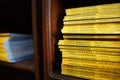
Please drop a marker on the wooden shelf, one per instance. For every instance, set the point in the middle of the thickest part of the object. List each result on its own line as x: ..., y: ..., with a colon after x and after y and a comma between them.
x: 58, y: 75
x: 27, y: 65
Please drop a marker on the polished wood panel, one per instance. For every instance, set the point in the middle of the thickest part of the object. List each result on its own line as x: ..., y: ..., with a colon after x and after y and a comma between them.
x: 37, y: 37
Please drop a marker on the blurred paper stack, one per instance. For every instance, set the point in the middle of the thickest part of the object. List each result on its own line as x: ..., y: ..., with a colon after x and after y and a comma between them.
x: 15, y: 47
x: 91, y: 45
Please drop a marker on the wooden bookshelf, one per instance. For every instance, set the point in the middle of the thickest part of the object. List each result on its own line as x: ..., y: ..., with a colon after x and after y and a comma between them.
x: 24, y: 16
x: 53, y: 13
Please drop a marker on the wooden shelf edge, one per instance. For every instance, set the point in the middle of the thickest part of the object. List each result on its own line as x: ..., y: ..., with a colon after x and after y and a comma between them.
x: 27, y: 65
x: 58, y: 75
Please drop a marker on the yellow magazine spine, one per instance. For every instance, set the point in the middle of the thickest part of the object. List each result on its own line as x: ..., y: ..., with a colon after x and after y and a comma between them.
x: 90, y: 56
x: 91, y: 63
x: 89, y: 43
x: 94, y: 72
x: 108, y: 28
x: 1, y: 45
x: 2, y: 49
x: 83, y: 74
x: 90, y: 48
x: 92, y: 16
x: 92, y: 21
x: 70, y: 73
x: 91, y: 36
x: 3, y: 39
x: 4, y: 54
x: 93, y: 9
x: 4, y: 59
x: 90, y: 52
x: 87, y: 68
x: 4, y: 34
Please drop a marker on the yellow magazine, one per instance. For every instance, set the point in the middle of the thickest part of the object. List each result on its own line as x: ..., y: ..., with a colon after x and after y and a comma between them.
x: 93, y: 9
x: 90, y: 48
x: 4, y: 59
x: 4, y: 34
x: 3, y: 54
x: 91, y: 63
x: 100, y: 56
x: 1, y: 45
x: 93, y: 71
x: 90, y: 43
x: 106, y: 28
x: 87, y: 68
x: 81, y: 36
x: 2, y: 49
x: 3, y: 39
x: 91, y: 52
x: 91, y: 21
x: 86, y: 75
x: 93, y: 16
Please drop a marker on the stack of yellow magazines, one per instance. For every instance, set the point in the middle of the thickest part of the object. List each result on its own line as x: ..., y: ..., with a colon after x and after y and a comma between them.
x: 15, y: 47
x: 91, y: 45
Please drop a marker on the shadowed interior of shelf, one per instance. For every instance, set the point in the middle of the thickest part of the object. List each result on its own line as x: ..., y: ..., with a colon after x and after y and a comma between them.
x: 15, y: 16
x: 82, y: 3
x: 8, y: 73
